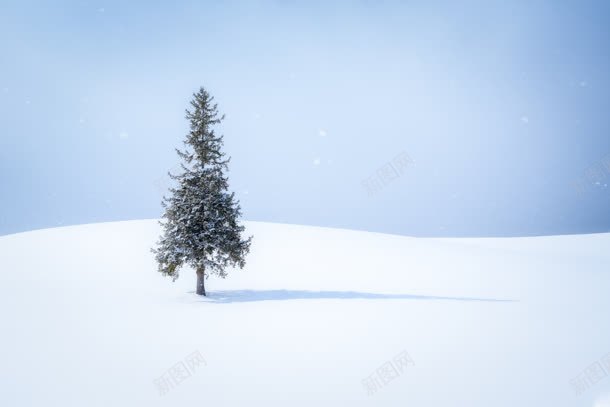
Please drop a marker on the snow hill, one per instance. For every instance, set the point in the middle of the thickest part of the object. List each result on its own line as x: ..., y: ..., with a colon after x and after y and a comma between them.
x: 319, y: 317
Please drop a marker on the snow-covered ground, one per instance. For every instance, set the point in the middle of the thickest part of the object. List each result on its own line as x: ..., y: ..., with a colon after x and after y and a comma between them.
x: 316, y: 314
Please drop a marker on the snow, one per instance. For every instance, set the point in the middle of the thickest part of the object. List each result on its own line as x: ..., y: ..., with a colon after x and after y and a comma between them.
x: 87, y: 320
x: 603, y: 401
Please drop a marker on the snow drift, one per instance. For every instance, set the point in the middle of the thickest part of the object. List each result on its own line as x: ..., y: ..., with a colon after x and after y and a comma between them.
x: 319, y: 316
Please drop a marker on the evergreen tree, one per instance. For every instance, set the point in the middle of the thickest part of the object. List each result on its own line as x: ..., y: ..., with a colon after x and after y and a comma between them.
x: 200, y: 223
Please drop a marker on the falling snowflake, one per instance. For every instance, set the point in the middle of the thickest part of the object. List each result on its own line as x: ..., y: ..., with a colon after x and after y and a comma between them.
x: 322, y: 133
x: 316, y: 161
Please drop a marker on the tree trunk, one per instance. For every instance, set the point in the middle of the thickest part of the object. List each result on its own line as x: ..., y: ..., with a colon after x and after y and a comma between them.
x: 200, y: 281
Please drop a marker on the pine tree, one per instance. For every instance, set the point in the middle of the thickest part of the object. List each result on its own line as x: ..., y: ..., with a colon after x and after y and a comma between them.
x: 200, y: 223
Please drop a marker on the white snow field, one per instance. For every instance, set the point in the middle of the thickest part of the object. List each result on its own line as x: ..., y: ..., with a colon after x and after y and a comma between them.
x: 316, y: 314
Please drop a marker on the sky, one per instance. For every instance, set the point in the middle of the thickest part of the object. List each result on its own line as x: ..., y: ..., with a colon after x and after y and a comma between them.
x: 420, y: 118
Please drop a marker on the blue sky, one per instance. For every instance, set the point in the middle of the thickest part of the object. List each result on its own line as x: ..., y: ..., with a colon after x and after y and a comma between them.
x: 501, y: 106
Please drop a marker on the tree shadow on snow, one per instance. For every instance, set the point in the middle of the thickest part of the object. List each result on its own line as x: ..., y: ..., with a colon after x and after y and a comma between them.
x: 234, y: 296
